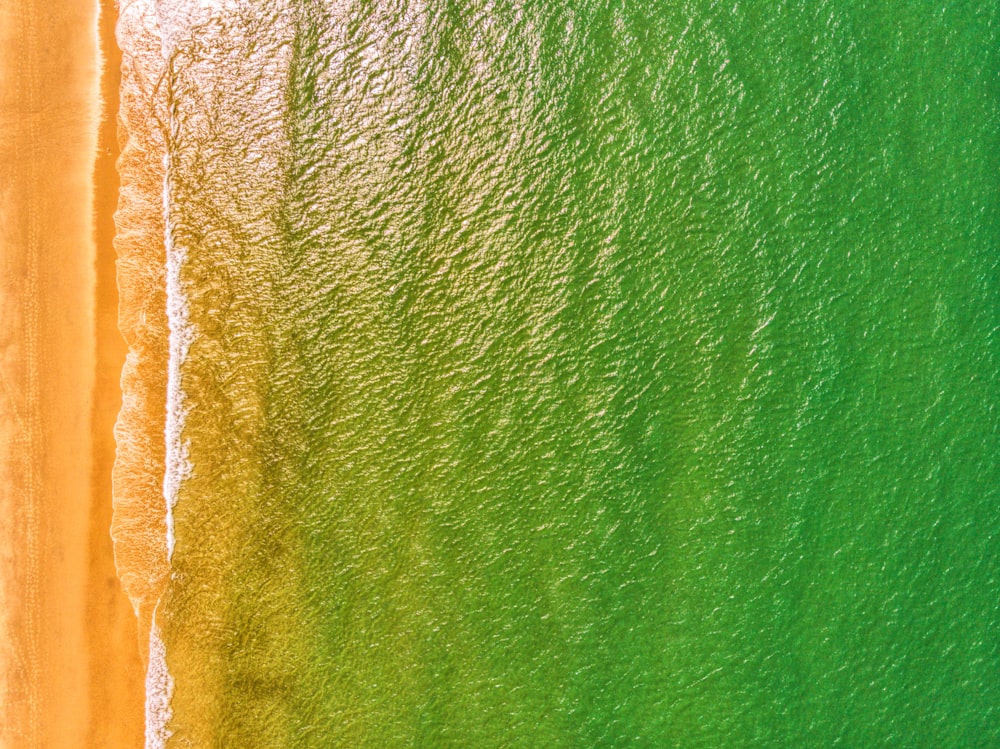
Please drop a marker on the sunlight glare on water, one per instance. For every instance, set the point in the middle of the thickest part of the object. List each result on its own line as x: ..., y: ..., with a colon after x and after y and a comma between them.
x: 582, y: 374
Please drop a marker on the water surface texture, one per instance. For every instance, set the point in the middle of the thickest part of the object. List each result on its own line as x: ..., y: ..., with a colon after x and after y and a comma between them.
x: 583, y: 374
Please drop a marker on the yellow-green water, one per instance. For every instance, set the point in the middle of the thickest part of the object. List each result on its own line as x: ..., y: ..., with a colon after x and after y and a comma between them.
x: 585, y: 374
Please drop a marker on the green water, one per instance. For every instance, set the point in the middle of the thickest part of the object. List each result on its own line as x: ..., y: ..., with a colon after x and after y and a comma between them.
x: 589, y: 374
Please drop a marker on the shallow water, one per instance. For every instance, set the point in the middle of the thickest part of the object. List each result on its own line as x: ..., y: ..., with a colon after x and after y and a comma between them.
x: 583, y: 374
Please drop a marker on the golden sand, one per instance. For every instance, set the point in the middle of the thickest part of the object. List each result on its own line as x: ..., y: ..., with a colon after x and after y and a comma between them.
x: 70, y: 673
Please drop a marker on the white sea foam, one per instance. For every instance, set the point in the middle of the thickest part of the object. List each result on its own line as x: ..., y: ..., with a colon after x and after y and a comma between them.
x: 178, y: 467
x: 159, y: 690
x: 159, y: 682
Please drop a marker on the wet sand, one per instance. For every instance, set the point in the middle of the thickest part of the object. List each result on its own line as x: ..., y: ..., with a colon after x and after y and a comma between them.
x: 70, y: 673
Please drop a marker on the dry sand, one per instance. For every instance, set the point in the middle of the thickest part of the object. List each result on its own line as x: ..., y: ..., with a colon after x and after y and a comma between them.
x: 70, y: 672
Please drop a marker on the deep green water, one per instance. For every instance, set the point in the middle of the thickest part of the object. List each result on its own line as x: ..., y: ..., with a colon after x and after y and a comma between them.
x: 588, y: 374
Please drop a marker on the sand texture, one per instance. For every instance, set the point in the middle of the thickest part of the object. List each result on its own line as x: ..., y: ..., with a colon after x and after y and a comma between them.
x: 70, y: 674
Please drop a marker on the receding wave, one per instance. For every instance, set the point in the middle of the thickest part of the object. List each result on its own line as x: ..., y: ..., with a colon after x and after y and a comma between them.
x: 139, y: 528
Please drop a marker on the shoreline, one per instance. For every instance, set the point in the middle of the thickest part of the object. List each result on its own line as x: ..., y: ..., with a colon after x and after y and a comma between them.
x: 66, y: 677
x: 116, y: 703
x: 140, y: 524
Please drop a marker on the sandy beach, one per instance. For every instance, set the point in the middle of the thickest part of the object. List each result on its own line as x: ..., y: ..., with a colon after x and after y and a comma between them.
x: 70, y: 672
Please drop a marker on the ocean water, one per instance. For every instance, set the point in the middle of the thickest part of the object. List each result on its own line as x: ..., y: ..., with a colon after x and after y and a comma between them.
x: 578, y: 374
